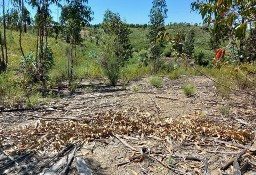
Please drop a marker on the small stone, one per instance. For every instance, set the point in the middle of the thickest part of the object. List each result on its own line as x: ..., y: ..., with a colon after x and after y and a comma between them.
x: 49, y: 109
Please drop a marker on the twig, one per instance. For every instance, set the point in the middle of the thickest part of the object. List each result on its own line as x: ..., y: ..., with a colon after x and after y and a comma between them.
x: 221, y: 152
x: 166, y: 166
x: 125, y: 143
x: 204, y: 161
x: 14, y: 161
x: 229, y: 143
x: 167, y: 98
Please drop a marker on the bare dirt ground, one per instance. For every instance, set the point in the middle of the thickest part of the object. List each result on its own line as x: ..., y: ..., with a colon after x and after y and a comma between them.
x: 134, y: 130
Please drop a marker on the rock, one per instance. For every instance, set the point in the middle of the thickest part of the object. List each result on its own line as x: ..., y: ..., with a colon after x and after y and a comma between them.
x: 49, y: 109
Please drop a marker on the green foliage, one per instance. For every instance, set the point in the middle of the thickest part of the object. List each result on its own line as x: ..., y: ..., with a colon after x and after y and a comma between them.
x: 188, y: 47
x: 189, y: 90
x: 156, y: 82
x: 167, y: 52
x: 230, y: 20
x: 139, y: 39
x: 116, y: 46
x: 134, y: 72
x: 158, y: 13
x: 110, y: 63
x: 175, y: 74
x: 11, y: 92
x: 74, y: 17
x: 33, y: 100
x: 250, y: 46
x: 201, y: 60
x: 136, y: 88
x: 142, y: 57
x: 113, y: 25
x: 29, y: 69
x: 224, y: 110
x: 32, y: 71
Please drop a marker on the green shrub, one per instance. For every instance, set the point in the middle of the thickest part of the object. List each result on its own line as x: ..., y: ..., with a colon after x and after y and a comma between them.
x: 189, y: 90
x: 134, y: 72
x: 176, y: 74
x: 168, y: 66
x: 201, y: 60
x: 11, y: 91
x: 167, y: 52
x: 224, y: 110
x: 143, y: 57
x: 33, y: 100
x: 136, y: 88
x: 110, y: 63
x: 156, y: 82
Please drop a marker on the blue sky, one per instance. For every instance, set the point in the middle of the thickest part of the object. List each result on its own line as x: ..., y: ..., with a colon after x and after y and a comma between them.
x: 137, y: 11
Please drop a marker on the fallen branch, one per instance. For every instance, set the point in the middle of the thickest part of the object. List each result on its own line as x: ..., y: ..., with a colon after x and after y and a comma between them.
x: 15, y: 161
x: 61, y: 163
x: 167, y: 98
x: 125, y: 143
x: 230, y: 162
x: 70, y: 158
x: 229, y: 143
x: 62, y: 153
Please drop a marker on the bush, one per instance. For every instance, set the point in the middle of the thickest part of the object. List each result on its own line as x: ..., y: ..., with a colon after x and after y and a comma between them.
x: 156, y: 82
x: 142, y: 57
x: 201, y: 60
x: 136, y: 88
x: 110, y: 63
x: 189, y: 90
x: 11, y: 92
x: 167, y: 52
x: 134, y: 72
x: 176, y: 74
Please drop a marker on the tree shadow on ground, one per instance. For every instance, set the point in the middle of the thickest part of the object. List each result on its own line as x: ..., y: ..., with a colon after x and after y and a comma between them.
x: 87, y: 88
x: 95, y: 167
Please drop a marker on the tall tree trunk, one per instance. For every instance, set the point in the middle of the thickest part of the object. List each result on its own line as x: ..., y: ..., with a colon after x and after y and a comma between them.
x: 2, y: 63
x: 5, y: 42
x: 20, y: 26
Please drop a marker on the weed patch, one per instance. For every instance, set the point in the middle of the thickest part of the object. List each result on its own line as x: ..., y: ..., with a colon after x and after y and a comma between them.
x: 189, y: 90
x: 156, y: 82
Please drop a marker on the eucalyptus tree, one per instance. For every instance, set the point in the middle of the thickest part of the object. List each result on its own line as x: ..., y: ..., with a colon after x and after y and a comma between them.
x: 74, y: 17
x: 158, y: 13
x: 113, y: 25
x: 21, y: 16
x: 116, y: 45
x: 44, y: 58
x: 3, y: 41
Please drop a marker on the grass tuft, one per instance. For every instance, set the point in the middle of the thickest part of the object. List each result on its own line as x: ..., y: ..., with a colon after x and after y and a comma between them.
x: 156, y: 82
x: 189, y: 90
